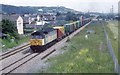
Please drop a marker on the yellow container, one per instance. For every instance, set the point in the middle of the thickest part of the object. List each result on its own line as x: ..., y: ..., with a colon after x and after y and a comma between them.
x: 61, y: 28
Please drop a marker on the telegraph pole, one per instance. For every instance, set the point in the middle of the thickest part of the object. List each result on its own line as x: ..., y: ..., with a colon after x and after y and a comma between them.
x: 112, y: 12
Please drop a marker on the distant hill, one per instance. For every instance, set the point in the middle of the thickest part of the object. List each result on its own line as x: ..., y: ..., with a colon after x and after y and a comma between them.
x: 28, y: 9
x: 16, y: 9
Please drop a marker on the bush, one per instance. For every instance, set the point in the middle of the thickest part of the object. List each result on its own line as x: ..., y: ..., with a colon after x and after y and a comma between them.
x: 9, y: 28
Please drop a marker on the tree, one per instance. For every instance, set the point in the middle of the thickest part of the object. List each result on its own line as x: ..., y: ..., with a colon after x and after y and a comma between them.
x: 9, y: 28
x: 71, y: 16
x: 58, y: 14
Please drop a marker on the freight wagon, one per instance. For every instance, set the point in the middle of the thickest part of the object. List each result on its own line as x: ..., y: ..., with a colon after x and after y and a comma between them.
x: 60, y: 32
x: 77, y: 24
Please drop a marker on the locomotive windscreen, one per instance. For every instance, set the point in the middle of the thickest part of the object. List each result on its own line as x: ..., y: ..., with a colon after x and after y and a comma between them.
x: 36, y: 37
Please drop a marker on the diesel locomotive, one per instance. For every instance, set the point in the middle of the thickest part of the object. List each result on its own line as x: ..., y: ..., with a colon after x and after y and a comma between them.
x: 45, y: 38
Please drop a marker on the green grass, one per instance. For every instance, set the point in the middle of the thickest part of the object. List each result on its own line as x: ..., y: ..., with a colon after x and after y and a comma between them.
x: 119, y: 42
x: 84, y: 55
x: 112, y: 30
x: 0, y: 44
x: 9, y: 44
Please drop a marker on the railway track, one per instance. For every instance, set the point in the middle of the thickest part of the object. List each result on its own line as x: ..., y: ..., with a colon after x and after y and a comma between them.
x: 27, y: 58
x: 14, y: 62
x: 13, y: 66
x: 10, y: 53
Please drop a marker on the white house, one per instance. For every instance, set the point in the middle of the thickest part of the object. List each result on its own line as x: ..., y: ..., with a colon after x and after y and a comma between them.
x: 20, y: 25
x: 40, y: 20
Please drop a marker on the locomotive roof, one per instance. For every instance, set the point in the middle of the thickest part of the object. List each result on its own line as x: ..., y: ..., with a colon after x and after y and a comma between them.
x: 42, y: 32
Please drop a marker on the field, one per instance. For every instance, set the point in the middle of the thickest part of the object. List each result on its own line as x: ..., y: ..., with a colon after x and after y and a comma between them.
x: 112, y: 30
x: 84, y: 55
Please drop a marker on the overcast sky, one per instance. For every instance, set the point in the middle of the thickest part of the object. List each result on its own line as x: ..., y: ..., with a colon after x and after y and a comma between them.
x: 80, y: 5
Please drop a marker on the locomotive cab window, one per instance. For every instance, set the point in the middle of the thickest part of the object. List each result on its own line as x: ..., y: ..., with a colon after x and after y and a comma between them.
x: 36, y: 37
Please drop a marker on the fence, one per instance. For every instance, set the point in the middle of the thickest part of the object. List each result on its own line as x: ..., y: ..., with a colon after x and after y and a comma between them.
x: 110, y: 48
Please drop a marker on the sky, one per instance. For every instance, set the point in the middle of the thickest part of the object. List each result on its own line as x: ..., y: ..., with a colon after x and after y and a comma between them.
x: 79, y: 5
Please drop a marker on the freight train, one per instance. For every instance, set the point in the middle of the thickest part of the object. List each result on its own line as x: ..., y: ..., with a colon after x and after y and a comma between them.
x: 45, y: 38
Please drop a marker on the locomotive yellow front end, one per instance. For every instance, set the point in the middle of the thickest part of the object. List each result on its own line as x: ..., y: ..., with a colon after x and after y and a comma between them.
x: 37, y: 42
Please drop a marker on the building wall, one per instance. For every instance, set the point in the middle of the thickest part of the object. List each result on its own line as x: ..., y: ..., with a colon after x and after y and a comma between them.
x: 20, y: 25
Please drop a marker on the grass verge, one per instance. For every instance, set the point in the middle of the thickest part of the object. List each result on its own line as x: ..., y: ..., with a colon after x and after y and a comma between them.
x: 10, y: 44
x: 84, y: 55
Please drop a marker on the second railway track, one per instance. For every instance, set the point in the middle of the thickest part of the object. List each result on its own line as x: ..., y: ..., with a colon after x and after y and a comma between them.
x: 12, y: 52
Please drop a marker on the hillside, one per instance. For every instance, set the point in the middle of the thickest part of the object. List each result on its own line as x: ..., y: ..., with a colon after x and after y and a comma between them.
x: 28, y: 9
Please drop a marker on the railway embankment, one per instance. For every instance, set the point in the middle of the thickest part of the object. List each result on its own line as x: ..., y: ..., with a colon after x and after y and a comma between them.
x: 87, y: 52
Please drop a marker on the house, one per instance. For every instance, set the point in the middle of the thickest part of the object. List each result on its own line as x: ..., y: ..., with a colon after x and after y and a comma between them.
x: 17, y: 19
x: 20, y: 25
x: 12, y: 17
